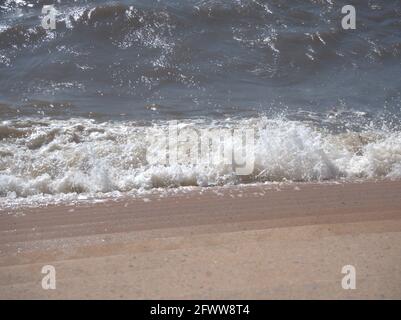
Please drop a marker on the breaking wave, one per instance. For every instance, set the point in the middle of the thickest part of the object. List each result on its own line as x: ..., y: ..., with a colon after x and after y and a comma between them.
x: 85, y: 157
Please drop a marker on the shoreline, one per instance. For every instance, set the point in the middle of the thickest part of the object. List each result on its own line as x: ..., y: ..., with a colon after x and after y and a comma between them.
x: 84, y: 199
x: 257, y: 242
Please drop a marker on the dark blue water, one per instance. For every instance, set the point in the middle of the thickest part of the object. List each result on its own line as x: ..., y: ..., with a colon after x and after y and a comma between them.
x: 184, y: 59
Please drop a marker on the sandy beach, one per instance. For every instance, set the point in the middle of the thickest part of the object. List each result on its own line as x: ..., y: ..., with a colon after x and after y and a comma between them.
x: 255, y: 242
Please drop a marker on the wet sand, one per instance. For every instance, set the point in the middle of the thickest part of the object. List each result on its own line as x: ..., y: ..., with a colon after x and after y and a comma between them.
x: 255, y: 242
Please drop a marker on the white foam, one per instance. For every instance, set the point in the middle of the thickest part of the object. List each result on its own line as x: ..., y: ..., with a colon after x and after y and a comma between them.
x: 81, y: 158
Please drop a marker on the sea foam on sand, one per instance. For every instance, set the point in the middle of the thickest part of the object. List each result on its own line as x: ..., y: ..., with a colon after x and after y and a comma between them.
x: 53, y: 158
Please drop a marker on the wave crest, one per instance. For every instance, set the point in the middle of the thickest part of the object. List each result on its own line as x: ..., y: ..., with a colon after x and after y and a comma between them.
x: 85, y: 157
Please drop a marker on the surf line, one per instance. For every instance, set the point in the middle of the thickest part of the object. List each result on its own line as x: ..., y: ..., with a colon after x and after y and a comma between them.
x: 178, y: 311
